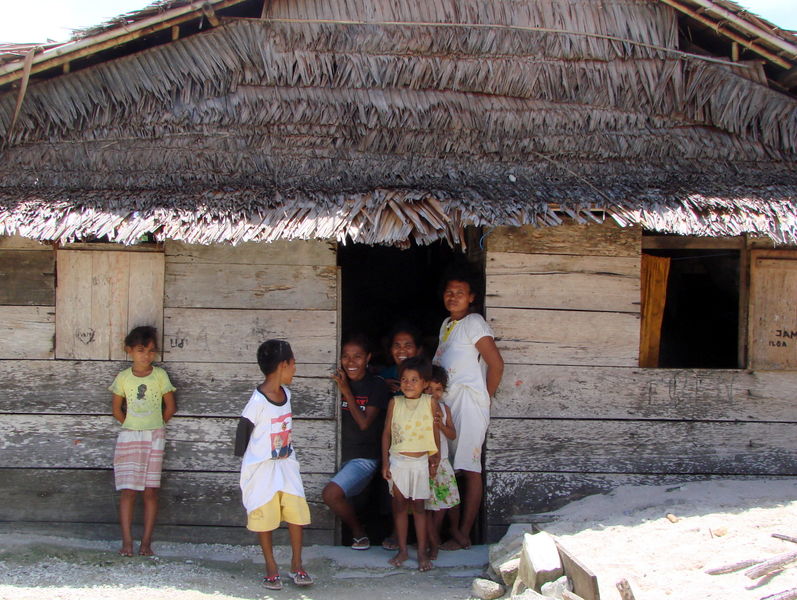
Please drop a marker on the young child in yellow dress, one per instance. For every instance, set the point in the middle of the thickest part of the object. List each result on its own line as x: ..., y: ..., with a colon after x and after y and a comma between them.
x: 143, y: 402
x: 410, y: 454
x: 445, y: 493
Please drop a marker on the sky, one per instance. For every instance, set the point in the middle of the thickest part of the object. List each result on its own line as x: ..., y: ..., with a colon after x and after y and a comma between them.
x: 39, y: 20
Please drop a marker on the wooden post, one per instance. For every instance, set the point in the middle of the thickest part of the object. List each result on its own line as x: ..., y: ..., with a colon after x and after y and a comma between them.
x: 625, y: 590
x: 175, y: 33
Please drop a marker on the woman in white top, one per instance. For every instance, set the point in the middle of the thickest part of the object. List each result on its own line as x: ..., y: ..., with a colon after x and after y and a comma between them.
x: 464, y: 337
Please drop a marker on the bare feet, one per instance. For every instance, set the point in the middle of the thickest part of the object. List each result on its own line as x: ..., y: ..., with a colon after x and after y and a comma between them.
x: 458, y: 542
x: 399, y: 559
x: 145, y: 550
x: 424, y: 564
x: 433, y: 552
x: 127, y: 549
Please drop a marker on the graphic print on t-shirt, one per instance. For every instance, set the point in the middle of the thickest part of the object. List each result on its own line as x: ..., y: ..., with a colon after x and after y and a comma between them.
x: 362, y: 402
x: 281, y: 436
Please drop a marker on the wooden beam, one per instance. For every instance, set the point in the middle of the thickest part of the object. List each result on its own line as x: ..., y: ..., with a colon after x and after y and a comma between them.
x: 210, y: 15
x: 691, y: 242
x: 731, y: 35
x: 175, y: 33
x: 115, y: 37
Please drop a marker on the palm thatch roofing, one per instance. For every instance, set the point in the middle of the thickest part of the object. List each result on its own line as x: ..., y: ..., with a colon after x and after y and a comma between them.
x: 384, y: 122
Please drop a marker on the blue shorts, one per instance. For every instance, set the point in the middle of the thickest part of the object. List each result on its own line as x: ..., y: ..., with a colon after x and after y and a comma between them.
x: 355, y: 474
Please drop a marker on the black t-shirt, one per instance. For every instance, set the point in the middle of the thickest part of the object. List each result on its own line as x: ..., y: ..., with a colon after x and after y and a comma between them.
x: 355, y: 443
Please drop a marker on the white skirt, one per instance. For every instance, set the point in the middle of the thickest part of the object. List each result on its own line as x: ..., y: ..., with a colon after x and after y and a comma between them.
x: 470, y: 411
x: 410, y: 474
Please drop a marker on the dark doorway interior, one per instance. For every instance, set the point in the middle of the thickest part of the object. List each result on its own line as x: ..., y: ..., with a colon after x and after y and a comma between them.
x: 701, y: 316
x: 382, y: 286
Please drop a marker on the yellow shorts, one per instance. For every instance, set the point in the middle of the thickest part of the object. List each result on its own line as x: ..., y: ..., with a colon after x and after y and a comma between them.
x: 282, y: 507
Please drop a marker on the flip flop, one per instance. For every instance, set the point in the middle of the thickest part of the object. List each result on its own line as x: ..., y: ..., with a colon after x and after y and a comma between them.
x: 272, y: 583
x: 301, y: 578
x: 361, y: 543
x: 390, y: 544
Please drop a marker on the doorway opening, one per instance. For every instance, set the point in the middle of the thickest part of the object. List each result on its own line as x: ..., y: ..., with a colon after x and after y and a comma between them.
x: 380, y: 287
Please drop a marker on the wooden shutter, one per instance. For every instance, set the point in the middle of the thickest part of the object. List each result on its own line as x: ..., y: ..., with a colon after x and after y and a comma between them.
x: 100, y: 296
x: 773, y: 309
x: 655, y: 274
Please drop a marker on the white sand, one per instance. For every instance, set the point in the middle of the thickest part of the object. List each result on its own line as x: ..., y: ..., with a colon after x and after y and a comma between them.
x: 627, y: 534
x: 624, y: 534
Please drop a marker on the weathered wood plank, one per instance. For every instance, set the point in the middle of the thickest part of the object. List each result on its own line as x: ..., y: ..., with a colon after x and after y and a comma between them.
x: 194, y: 534
x: 100, y: 296
x: 565, y: 337
x: 544, y: 391
x: 192, y: 444
x: 606, y: 239
x: 88, y: 495
x: 596, y: 283
x: 200, y: 285
x: 203, y: 389
x: 692, y: 242
x: 773, y: 309
x: 594, y: 446
x: 517, y: 496
x: 28, y: 278
x: 217, y: 335
x: 16, y: 242
x: 27, y: 331
x: 146, y: 275
x: 293, y: 252
x: 73, y: 332
x: 585, y: 582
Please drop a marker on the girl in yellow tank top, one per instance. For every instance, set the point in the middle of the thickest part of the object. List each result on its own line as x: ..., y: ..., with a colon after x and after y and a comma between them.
x: 410, y: 455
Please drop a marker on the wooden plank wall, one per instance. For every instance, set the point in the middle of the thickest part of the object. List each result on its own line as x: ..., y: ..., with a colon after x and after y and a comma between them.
x: 219, y: 304
x: 575, y: 415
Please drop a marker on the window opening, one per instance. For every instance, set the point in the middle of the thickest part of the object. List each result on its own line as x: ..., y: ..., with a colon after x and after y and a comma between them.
x: 700, y: 322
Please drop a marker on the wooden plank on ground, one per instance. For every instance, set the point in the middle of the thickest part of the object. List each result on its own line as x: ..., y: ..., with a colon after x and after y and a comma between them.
x: 26, y: 332
x: 597, y: 283
x: 203, y: 389
x: 193, y: 534
x: 28, y: 277
x: 516, y: 497
x: 218, y: 335
x: 88, y: 495
x: 598, y: 446
x: 545, y: 391
x: 564, y: 337
x: 585, y: 582
x: 215, y: 285
x: 605, y: 239
x: 283, y: 252
x: 192, y: 444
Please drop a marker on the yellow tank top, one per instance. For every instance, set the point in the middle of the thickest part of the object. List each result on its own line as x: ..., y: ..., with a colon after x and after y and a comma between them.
x: 412, y: 428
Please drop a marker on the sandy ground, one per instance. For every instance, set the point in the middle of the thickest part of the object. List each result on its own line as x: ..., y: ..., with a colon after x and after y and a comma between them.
x: 623, y: 534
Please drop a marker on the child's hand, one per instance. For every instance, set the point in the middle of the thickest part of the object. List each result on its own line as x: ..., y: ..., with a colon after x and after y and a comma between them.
x: 386, y: 473
x: 393, y: 384
x: 433, y: 464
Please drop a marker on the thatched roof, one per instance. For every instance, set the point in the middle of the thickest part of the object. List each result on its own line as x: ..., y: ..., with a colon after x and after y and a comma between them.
x: 385, y: 122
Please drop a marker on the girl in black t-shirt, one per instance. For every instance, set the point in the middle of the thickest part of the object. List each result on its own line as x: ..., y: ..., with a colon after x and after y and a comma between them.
x: 364, y: 399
